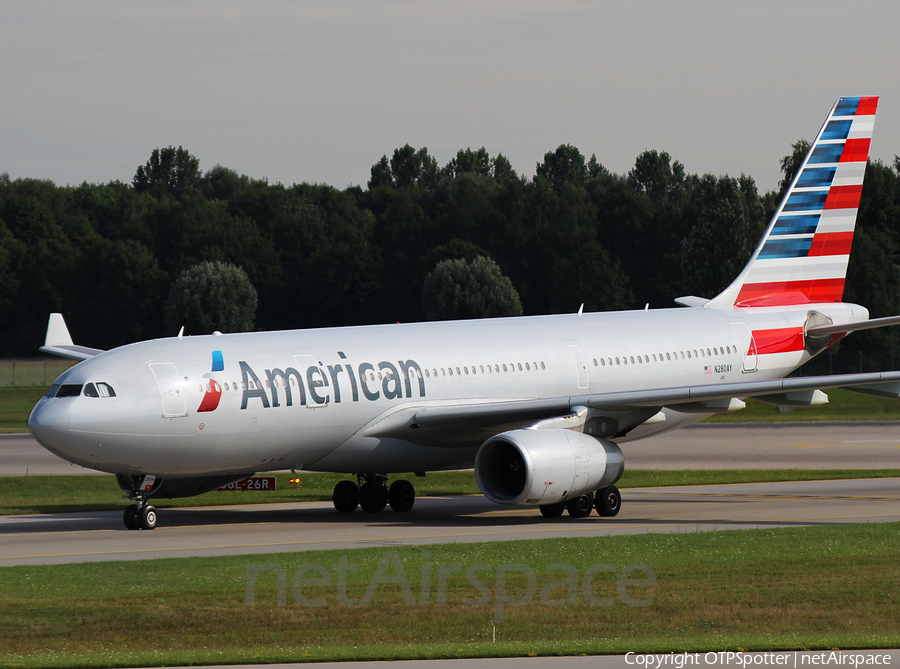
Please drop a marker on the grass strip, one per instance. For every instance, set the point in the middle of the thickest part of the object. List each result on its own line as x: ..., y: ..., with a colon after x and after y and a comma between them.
x: 69, y: 494
x: 790, y: 588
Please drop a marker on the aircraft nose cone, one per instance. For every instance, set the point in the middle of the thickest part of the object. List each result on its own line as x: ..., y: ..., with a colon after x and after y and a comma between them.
x: 49, y: 423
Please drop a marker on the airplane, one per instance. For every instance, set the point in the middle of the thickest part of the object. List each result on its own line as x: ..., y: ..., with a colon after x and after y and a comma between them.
x: 540, y: 406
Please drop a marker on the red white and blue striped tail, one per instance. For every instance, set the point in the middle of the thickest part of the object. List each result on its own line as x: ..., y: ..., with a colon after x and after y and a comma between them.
x: 803, y: 255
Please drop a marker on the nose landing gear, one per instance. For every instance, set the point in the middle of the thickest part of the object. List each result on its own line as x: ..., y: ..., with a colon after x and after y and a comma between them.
x: 141, y: 515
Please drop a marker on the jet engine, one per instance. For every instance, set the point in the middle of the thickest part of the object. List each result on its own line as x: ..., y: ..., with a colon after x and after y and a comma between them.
x: 531, y: 466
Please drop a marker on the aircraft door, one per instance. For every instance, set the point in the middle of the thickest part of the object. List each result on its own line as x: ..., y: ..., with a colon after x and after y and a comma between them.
x: 747, y: 346
x: 315, y: 375
x: 580, y: 368
x: 171, y: 389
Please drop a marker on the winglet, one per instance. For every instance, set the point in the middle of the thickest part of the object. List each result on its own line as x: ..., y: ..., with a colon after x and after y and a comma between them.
x: 59, y: 341
x: 58, y: 332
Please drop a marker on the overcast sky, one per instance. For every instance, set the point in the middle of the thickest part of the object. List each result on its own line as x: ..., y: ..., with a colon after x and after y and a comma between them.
x: 319, y: 91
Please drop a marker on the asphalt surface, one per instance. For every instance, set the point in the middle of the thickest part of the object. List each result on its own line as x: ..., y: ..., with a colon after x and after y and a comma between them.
x: 275, y: 528
x: 858, y: 445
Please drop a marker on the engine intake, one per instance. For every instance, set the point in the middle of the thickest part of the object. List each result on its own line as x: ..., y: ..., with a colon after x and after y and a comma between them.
x: 530, y: 466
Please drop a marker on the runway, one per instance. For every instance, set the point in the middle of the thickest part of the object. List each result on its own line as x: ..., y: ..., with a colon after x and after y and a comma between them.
x: 831, y: 445
x: 100, y: 536
x: 212, y: 531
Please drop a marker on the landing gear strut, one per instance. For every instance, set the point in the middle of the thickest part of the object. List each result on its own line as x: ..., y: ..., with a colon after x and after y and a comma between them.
x: 372, y: 494
x: 141, y: 515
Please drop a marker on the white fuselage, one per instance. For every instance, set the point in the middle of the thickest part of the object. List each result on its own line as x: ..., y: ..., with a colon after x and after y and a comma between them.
x: 302, y: 399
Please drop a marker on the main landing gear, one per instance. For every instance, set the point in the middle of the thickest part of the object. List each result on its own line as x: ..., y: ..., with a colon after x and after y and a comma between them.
x: 371, y: 492
x: 607, y: 501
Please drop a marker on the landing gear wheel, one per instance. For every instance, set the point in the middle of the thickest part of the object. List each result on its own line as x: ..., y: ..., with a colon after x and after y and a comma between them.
x: 147, y: 518
x: 608, y: 501
x: 401, y: 495
x: 581, y: 507
x: 345, y: 496
x: 552, y: 510
x: 131, y: 517
x: 373, y: 496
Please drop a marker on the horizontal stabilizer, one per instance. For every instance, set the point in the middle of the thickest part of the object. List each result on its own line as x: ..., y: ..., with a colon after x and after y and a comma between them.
x: 871, y: 324
x: 59, y: 341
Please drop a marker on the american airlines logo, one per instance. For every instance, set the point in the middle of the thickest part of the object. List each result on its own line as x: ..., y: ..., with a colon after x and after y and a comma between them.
x: 321, y: 384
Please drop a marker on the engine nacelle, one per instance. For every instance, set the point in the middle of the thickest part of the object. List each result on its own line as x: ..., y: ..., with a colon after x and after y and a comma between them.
x: 545, y: 466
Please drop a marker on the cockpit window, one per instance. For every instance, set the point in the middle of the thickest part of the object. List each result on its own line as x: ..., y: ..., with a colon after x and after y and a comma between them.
x: 99, y: 389
x: 69, y: 390
x: 51, y: 392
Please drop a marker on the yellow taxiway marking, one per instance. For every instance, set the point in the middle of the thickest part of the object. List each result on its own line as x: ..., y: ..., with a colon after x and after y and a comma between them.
x: 491, y: 532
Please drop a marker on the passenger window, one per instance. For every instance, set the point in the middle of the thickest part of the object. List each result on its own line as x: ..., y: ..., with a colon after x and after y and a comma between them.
x: 457, y: 371
x: 520, y: 366
x: 668, y: 357
x: 467, y: 370
x: 689, y: 355
x: 504, y: 368
x: 90, y: 390
x: 617, y: 361
x: 603, y: 362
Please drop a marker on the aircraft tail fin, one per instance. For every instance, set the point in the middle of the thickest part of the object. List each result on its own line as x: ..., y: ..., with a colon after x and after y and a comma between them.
x: 802, y: 257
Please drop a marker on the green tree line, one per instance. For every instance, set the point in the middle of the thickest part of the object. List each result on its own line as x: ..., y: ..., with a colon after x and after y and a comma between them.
x: 108, y: 255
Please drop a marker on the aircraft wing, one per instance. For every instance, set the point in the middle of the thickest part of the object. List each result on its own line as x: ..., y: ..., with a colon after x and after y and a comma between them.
x: 458, y: 424
x: 885, y: 384
x: 59, y: 341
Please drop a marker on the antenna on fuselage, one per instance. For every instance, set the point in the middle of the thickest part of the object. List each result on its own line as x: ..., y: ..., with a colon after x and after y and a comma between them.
x: 581, y: 309
x: 181, y: 332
